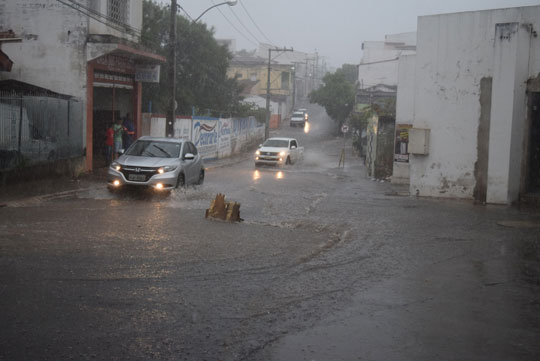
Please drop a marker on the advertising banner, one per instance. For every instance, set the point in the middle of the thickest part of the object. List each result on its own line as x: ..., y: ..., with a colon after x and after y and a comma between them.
x: 225, y: 131
x: 205, y: 136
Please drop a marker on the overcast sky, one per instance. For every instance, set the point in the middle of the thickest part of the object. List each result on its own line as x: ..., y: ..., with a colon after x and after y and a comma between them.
x: 333, y: 28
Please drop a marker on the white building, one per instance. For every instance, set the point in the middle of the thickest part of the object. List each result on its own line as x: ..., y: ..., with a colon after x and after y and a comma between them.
x: 475, y: 108
x: 87, y: 52
x: 379, y: 64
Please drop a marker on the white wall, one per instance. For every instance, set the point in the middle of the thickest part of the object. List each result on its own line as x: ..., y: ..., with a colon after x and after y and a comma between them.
x: 379, y: 64
x: 134, y: 19
x: 378, y: 73
x: 454, y: 52
x: 405, y: 90
x: 51, y: 52
x: 404, y: 109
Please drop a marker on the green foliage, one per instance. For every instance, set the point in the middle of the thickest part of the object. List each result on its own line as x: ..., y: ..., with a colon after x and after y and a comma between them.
x: 386, y: 107
x: 336, y: 96
x: 350, y: 71
x: 202, y: 63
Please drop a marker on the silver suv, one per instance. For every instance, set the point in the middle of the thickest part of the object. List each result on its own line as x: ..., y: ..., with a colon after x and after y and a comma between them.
x: 160, y: 163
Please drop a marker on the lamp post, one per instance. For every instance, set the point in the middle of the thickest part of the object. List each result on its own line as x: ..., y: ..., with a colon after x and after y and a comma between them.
x: 169, y: 123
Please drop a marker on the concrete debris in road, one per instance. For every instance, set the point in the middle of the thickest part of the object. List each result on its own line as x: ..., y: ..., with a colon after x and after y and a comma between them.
x: 226, y: 211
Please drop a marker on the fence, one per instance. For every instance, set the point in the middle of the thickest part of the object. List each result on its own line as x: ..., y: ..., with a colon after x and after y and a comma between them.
x: 37, y: 129
x: 214, y: 137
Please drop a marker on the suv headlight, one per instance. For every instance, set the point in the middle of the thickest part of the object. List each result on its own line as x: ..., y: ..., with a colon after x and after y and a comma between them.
x: 282, y: 153
x: 258, y: 152
x: 116, y: 166
x: 166, y: 169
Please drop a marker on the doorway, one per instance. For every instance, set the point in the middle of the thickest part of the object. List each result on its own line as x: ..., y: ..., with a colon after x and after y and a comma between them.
x: 110, y: 103
x: 533, y: 164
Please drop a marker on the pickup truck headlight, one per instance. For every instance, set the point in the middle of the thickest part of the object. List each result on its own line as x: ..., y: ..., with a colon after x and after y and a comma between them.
x: 282, y: 153
x: 168, y: 168
x: 258, y: 152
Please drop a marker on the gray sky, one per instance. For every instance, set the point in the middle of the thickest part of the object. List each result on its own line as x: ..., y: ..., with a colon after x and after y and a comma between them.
x: 335, y: 28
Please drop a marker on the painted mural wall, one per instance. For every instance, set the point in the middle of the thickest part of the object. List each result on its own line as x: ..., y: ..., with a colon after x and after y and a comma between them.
x: 214, y: 137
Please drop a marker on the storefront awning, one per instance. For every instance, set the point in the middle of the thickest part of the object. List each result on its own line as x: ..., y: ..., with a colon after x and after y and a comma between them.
x: 100, y: 45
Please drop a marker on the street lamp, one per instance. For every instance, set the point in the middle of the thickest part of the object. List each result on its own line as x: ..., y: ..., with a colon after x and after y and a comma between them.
x: 230, y: 3
x: 169, y: 123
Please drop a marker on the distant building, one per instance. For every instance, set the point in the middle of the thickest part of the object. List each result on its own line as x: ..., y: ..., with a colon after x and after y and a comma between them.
x: 251, y: 72
x: 377, y: 90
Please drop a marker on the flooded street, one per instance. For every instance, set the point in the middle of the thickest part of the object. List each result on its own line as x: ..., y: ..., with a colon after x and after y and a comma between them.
x: 327, y: 265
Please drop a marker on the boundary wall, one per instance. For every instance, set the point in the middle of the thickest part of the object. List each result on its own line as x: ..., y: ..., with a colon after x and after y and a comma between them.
x: 214, y: 137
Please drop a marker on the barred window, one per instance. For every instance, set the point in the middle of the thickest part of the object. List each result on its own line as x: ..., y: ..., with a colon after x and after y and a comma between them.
x: 118, y: 10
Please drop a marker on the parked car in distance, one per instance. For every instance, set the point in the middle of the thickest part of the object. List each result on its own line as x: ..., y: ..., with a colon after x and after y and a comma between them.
x: 299, y: 117
x: 278, y: 151
x: 159, y: 163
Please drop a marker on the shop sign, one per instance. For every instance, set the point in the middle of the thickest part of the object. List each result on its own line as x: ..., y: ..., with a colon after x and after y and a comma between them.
x: 115, y: 63
x: 147, y: 74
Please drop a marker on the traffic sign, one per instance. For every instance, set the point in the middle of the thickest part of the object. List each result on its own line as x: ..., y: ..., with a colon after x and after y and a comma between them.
x: 344, y: 128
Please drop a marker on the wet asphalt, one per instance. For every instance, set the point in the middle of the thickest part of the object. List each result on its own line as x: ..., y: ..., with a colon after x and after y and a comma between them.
x: 327, y: 265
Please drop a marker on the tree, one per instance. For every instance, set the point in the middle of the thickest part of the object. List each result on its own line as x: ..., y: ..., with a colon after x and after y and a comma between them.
x: 202, y: 63
x: 336, y: 96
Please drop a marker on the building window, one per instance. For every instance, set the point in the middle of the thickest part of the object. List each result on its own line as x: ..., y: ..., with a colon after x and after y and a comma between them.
x: 285, y: 80
x: 118, y: 10
x: 253, y: 77
x: 238, y: 75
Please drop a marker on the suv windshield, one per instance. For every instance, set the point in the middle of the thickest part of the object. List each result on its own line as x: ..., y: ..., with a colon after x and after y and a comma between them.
x: 151, y: 148
x: 278, y: 143
x: 298, y: 115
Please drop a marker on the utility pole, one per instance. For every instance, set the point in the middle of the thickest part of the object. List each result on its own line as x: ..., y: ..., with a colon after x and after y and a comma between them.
x: 294, y: 85
x: 169, y: 122
x: 267, y: 128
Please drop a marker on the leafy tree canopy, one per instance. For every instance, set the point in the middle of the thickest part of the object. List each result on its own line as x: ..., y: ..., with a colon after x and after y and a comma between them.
x: 336, y: 95
x: 202, y: 63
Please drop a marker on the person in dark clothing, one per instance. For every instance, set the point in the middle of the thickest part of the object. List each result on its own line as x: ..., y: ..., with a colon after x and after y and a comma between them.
x: 129, y: 133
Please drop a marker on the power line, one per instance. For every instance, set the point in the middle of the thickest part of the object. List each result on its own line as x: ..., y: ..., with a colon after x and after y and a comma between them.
x: 185, y: 12
x: 104, y: 19
x: 244, y: 26
x: 254, y: 23
x: 234, y: 27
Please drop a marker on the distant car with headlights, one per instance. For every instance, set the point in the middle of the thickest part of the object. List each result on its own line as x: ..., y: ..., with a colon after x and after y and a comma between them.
x: 279, y: 151
x: 299, y: 117
x: 159, y: 163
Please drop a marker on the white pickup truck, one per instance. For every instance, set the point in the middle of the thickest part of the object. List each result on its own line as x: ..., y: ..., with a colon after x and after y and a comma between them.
x: 279, y: 151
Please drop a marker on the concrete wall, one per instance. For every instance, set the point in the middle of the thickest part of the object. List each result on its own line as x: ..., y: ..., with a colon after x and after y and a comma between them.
x: 405, y: 90
x: 134, y: 19
x: 404, y: 109
x: 454, y: 53
x: 214, y: 137
x: 50, y: 54
x: 378, y: 73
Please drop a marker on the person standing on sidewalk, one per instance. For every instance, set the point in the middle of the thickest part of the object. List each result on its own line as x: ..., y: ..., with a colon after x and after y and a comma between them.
x: 109, y: 144
x: 118, y: 129
x: 129, y: 133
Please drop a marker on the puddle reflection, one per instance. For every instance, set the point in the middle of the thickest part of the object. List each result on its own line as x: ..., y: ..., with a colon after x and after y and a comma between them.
x: 257, y: 174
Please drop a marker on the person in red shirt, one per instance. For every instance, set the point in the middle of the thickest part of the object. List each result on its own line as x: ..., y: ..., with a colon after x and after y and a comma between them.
x: 109, y: 142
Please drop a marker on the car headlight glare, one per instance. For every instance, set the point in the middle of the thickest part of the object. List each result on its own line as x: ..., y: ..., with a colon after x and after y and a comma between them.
x: 168, y: 168
x: 282, y: 153
x: 258, y: 152
x: 116, y: 166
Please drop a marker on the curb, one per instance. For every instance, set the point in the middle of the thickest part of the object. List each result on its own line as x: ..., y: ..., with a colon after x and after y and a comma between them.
x: 43, y: 198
